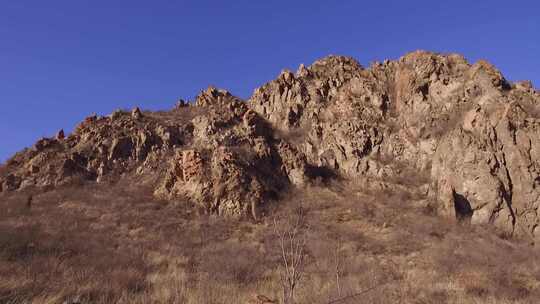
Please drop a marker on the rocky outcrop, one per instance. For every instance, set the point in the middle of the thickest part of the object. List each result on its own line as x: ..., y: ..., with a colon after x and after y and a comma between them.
x: 100, y: 148
x: 216, y: 155
x: 234, y: 165
x: 464, y: 127
x: 459, y: 133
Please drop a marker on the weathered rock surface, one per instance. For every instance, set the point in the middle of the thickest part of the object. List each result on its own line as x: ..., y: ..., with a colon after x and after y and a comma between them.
x: 464, y: 127
x: 233, y: 165
x: 217, y: 155
x: 460, y: 133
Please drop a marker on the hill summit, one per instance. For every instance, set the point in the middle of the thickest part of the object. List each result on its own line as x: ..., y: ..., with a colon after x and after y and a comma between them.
x: 459, y: 135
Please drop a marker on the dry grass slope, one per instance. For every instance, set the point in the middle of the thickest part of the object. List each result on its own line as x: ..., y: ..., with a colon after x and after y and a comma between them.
x: 117, y: 244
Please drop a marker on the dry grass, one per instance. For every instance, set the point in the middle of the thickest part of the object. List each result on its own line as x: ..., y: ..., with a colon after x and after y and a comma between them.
x: 116, y: 244
x: 182, y: 114
x: 53, y: 249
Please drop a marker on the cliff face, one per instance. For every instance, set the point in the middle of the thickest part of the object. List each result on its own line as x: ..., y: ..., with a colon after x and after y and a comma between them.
x: 460, y: 135
x: 473, y: 132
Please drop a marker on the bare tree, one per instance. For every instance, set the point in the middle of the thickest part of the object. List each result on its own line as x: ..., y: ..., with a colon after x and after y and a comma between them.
x: 292, y: 238
x: 338, y: 267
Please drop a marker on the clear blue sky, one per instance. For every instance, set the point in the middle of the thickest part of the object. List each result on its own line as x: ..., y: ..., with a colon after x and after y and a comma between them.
x: 62, y: 60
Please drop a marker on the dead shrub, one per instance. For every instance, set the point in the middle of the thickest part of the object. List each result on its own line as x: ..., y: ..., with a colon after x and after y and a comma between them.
x: 291, y: 233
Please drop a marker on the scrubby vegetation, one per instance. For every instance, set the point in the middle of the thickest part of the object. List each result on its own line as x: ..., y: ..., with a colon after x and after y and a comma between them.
x: 117, y: 244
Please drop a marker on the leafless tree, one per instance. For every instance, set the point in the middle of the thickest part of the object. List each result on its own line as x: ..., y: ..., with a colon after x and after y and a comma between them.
x: 338, y: 267
x: 292, y: 237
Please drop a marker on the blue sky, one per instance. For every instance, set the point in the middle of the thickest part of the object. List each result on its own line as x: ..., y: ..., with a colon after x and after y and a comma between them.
x: 62, y: 60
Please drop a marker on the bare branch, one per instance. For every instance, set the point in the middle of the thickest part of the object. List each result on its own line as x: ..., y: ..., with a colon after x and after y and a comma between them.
x: 292, y: 240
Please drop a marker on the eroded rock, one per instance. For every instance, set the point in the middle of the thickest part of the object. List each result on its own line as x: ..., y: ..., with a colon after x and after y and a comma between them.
x: 462, y: 126
x: 459, y: 132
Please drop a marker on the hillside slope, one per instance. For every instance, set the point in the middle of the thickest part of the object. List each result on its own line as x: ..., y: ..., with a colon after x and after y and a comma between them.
x: 376, y: 172
x: 461, y: 131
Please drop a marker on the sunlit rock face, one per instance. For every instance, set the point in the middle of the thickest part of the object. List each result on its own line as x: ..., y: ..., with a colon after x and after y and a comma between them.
x: 459, y: 132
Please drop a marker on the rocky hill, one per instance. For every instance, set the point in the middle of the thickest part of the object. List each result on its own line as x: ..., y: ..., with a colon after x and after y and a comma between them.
x: 458, y: 134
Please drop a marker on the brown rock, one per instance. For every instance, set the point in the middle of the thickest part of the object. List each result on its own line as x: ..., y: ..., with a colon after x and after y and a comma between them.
x: 90, y: 119
x: 413, y: 111
x: 34, y: 169
x: 192, y: 165
x: 460, y: 131
x: 60, y: 135
x: 136, y: 113
x: 121, y: 148
x: 212, y: 96
x: 44, y: 143
x: 11, y: 183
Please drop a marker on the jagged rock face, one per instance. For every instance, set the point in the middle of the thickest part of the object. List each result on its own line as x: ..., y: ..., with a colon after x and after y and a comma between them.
x: 492, y: 158
x: 218, y: 155
x: 463, y: 130
x: 234, y: 166
x: 472, y: 132
x: 99, y: 147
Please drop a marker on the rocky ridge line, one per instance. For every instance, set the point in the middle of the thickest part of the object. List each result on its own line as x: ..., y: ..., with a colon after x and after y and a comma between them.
x: 462, y: 134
